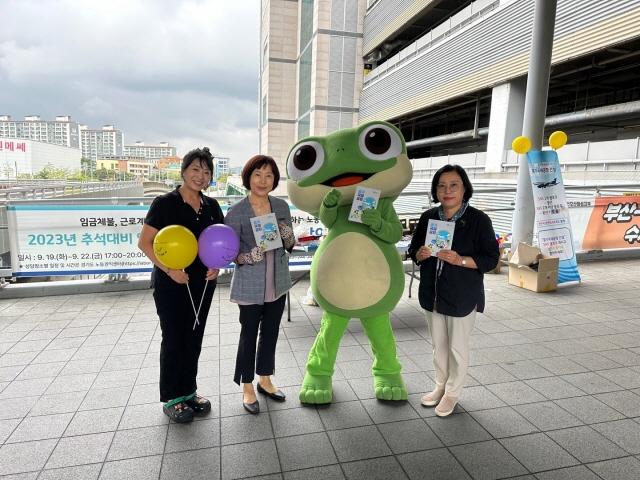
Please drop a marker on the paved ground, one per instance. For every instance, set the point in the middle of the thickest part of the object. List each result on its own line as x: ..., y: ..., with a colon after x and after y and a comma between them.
x: 554, y: 393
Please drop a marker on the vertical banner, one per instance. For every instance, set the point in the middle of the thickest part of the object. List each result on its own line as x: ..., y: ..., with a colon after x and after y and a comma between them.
x: 552, y: 213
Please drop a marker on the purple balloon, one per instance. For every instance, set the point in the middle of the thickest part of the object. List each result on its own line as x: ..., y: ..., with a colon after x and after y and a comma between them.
x: 218, y: 245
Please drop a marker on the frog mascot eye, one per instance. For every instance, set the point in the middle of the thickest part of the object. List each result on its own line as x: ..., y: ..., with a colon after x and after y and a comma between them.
x: 379, y: 142
x: 305, y: 160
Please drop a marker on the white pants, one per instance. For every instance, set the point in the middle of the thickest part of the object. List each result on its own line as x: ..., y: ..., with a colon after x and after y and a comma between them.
x: 450, y: 339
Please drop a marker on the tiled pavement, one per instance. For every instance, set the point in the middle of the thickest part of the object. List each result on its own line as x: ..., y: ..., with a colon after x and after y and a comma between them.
x: 553, y: 393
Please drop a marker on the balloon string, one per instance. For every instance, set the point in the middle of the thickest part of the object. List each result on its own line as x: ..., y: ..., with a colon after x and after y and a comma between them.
x: 200, y: 306
x: 192, y: 305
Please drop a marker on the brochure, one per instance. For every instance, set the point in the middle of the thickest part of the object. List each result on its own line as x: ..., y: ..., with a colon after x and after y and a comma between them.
x: 363, y: 199
x: 266, y: 231
x: 439, y: 235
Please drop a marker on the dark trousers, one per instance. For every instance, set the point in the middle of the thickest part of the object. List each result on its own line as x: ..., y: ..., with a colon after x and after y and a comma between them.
x: 266, y: 318
x: 181, y: 345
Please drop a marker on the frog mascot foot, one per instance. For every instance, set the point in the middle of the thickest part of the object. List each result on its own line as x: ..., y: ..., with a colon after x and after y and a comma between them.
x: 390, y: 387
x: 316, y: 389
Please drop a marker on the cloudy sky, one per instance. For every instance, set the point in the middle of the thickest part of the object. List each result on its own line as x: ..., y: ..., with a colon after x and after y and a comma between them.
x: 185, y: 72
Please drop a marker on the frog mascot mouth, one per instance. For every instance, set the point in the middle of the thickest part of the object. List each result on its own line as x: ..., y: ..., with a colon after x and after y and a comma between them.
x: 356, y: 272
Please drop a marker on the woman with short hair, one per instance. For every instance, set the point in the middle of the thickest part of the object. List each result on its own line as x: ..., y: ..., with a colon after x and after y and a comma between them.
x: 260, y: 281
x: 451, y: 283
x: 181, y: 343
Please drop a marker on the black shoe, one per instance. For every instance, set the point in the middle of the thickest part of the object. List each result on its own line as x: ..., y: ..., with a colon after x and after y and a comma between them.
x: 253, y: 408
x: 179, y: 413
x: 199, y: 405
x: 278, y: 395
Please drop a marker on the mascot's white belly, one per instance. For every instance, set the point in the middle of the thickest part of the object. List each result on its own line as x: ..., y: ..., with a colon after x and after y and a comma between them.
x: 353, y: 273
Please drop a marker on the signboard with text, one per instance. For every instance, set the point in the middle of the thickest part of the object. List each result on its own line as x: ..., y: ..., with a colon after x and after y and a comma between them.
x: 50, y: 240
x: 10, y: 146
x: 614, y: 223
x: 553, y: 223
x: 76, y: 239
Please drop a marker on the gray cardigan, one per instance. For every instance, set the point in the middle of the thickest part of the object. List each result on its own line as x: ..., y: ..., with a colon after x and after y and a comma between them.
x: 248, y: 282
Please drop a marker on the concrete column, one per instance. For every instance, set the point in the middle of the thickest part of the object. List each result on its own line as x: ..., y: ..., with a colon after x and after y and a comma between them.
x: 505, y: 121
x: 544, y: 20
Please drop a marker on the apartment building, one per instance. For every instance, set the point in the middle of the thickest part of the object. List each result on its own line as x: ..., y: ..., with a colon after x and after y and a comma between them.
x: 61, y: 131
x: 101, y: 143
x: 150, y: 152
x: 220, y: 166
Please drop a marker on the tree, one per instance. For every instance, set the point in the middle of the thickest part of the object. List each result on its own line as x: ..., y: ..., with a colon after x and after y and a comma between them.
x: 102, y: 174
x: 50, y: 172
x: 87, y: 166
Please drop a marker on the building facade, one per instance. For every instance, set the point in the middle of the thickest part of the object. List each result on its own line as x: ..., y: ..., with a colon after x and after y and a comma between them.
x: 220, y: 166
x: 451, y: 74
x: 151, y: 152
x: 104, y: 143
x: 61, y: 131
x: 140, y: 168
x: 310, y: 70
x: 28, y: 157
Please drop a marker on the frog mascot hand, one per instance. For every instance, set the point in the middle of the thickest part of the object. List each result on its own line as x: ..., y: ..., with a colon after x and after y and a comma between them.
x: 356, y: 272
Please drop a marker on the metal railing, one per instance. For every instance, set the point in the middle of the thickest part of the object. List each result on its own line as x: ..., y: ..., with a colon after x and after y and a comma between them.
x: 45, y: 191
x: 51, y: 189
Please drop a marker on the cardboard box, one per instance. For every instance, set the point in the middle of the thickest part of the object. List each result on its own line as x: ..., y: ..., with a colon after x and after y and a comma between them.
x: 545, y: 279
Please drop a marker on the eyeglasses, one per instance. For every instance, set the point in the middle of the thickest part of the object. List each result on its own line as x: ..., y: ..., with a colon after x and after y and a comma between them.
x: 452, y: 187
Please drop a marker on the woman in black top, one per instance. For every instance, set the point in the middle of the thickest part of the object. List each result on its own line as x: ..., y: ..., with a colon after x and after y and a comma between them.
x: 181, y: 344
x: 451, y: 284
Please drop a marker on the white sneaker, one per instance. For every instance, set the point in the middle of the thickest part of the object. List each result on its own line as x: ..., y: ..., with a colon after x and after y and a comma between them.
x: 432, y: 399
x: 446, y: 406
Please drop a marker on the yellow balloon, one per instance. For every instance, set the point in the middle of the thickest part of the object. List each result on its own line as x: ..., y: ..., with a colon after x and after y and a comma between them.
x: 558, y: 139
x: 521, y: 145
x: 175, y: 247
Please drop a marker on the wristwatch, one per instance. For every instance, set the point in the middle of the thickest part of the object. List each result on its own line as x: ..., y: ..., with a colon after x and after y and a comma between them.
x: 463, y: 262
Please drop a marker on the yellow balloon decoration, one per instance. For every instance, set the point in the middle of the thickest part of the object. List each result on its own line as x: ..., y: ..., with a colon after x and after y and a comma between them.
x: 175, y: 247
x: 558, y: 139
x: 521, y: 145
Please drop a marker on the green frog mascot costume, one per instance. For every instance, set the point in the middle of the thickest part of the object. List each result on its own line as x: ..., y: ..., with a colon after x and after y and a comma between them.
x: 357, y: 271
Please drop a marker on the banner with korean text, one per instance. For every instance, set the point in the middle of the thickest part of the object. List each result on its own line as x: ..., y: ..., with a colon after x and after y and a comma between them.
x: 76, y: 239
x: 54, y: 240
x: 614, y: 223
x: 61, y: 240
x: 553, y: 225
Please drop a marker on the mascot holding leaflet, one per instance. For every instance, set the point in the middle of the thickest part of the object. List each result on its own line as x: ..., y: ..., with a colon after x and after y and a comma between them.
x: 357, y: 271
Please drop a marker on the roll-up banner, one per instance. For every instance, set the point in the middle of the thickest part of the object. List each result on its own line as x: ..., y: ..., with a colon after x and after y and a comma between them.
x: 555, y: 237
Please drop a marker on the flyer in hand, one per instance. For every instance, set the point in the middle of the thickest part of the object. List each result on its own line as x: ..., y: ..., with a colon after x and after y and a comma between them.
x: 266, y: 231
x: 363, y: 199
x: 439, y: 235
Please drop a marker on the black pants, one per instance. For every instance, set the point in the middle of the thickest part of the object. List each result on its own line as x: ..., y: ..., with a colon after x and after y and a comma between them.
x: 181, y: 345
x: 267, y: 318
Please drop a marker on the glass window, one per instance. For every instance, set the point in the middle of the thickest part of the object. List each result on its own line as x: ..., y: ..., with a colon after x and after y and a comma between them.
x: 304, y: 84
x: 265, y: 60
x: 264, y: 110
x: 304, y: 126
x: 306, y: 23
